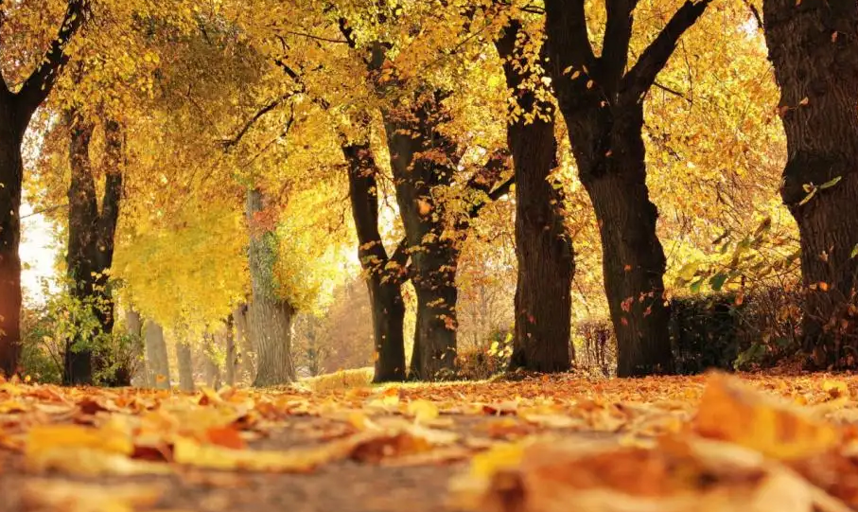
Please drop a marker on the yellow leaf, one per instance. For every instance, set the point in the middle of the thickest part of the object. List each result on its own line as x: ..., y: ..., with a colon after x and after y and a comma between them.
x: 423, y: 411
x: 730, y: 411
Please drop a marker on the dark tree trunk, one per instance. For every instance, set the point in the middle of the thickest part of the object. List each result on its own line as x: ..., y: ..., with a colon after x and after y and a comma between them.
x: 382, y: 274
x: 543, y: 302
x: 156, y: 353
x: 16, y: 110
x: 814, y: 49
x: 90, y: 246
x: 602, y: 104
x: 270, y: 316
x: 423, y: 163
x: 231, y: 361
x: 11, y: 175
x: 185, y: 360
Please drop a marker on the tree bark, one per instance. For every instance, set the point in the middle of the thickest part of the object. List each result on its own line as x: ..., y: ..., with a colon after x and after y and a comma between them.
x: 156, y: 353
x: 16, y: 110
x: 423, y: 163
x: 90, y: 246
x: 270, y: 316
x: 814, y: 50
x: 546, y: 265
x: 185, y: 361
x: 134, y: 326
x: 244, y: 343
x: 602, y: 105
x: 11, y: 176
x: 382, y: 274
x: 231, y: 365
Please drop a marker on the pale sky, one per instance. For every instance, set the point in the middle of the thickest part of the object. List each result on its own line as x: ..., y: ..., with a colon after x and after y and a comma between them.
x: 38, y: 253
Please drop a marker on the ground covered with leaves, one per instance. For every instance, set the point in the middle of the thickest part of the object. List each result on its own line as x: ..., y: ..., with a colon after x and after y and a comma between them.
x: 708, y: 443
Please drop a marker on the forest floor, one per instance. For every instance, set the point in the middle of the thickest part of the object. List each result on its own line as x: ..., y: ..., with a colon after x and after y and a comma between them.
x: 705, y: 443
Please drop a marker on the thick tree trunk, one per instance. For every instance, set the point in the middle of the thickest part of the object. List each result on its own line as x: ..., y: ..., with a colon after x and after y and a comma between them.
x: 134, y: 326
x: 156, y: 353
x: 423, y: 162
x: 601, y: 99
x: 383, y: 276
x: 11, y: 175
x: 185, y: 361
x: 543, y: 302
x: 90, y: 246
x: 231, y: 364
x: 814, y: 50
x: 270, y: 317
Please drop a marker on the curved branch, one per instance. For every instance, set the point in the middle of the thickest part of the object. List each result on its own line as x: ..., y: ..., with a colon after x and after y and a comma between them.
x: 37, y: 87
x: 640, y: 78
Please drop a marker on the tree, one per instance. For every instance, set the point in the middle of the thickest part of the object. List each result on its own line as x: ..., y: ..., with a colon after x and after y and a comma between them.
x: 602, y: 104
x: 185, y: 361
x: 16, y: 111
x: 270, y: 316
x: 91, y: 239
x: 158, y: 363
x: 813, y: 47
x: 543, y: 299
x: 383, y: 273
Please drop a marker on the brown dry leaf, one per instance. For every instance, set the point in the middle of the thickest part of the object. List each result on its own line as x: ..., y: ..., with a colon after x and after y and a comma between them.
x: 731, y: 411
x: 59, y: 496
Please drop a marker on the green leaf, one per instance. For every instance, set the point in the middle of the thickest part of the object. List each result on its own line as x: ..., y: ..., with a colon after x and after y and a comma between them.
x: 717, y: 281
x: 808, y: 197
x: 695, y: 286
x: 854, y: 251
x: 829, y: 184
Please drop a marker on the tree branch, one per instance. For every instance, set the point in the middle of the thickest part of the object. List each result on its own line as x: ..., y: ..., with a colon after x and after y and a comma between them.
x: 640, y: 78
x: 231, y: 142
x: 615, y: 52
x: 566, y: 26
x: 37, y: 87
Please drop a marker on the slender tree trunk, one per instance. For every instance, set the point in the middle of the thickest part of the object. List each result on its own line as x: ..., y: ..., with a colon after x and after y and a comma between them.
x: 134, y: 326
x: 270, y: 317
x: 156, y: 352
x: 11, y: 175
x: 543, y: 301
x: 601, y: 99
x: 231, y: 362
x: 244, y: 343
x: 814, y: 50
x: 186, y: 366
x: 423, y: 163
x: 382, y: 275
x: 210, y: 350
x: 90, y: 247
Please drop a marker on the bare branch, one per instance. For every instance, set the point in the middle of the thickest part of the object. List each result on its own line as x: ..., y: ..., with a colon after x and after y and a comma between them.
x: 566, y: 26
x: 640, y: 78
x: 232, y: 142
x: 615, y: 53
x: 37, y: 87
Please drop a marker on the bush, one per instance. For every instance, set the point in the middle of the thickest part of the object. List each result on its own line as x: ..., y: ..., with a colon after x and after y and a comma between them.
x: 704, y: 332
x: 489, y: 360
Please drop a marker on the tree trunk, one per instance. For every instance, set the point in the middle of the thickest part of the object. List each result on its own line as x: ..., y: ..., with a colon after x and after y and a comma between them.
x: 382, y: 275
x: 210, y: 353
x: 601, y: 99
x: 156, y: 353
x: 422, y: 160
x: 231, y: 362
x: 270, y: 316
x: 134, y: 325
x: 186, y: 366
x: 90, y: 248
x: 244, y: 343
x: 543, y: 301
x: 11, y: 175
x: 814, y: 50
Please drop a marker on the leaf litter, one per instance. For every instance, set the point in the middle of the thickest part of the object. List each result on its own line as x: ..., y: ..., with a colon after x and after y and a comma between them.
x: 706, y: 443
